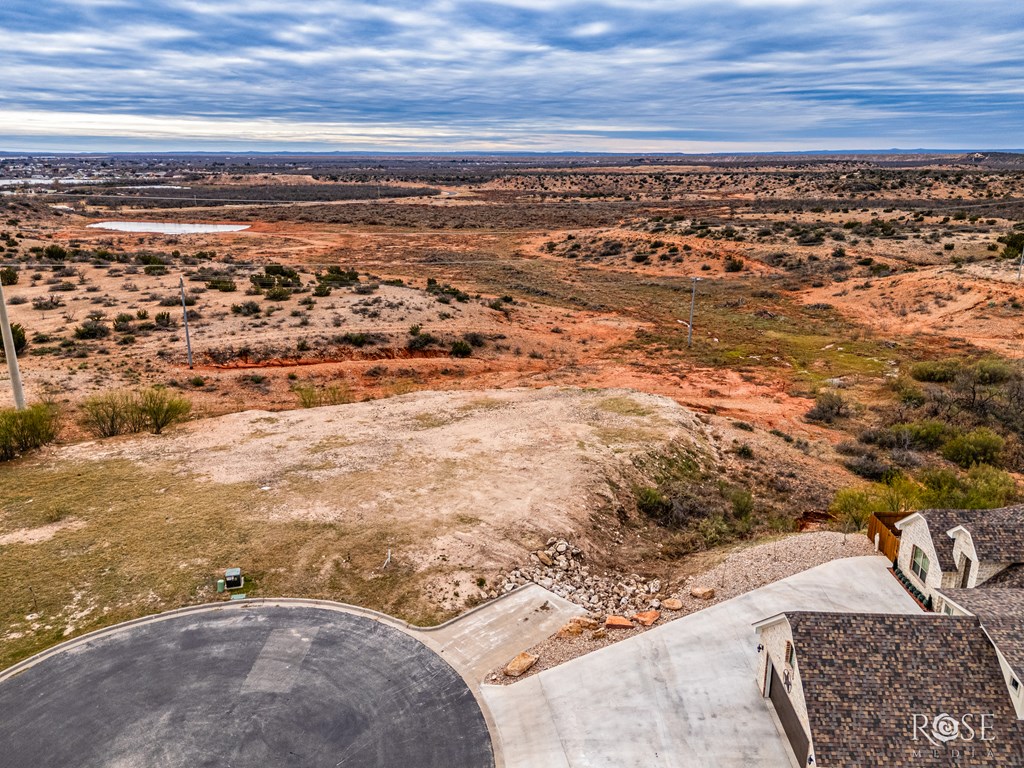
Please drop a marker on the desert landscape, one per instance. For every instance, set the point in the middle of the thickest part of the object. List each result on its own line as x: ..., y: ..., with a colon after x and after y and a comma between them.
x: 408, y: 374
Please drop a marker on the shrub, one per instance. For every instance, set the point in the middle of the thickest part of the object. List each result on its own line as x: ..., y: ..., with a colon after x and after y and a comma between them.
x: 109, y: 414
x: 733, y: 264
x: 355, y: 339
x: 868, y: 466
x: 474, y: 339
x: 8, y: 276
x: 246, y: 309
x: 461, y: 348
x: 983, y: 487
x: 311, y: 396
x: 47, y: 302
x: 929, y: 434
x: 742, y: 504
x: 829, y: 406
x: 92, y: 329
x: 163, y: 319
x: 23, y: 431
x: 277, y: 293
x: 852, y: 507
x: 20, y: 340
x: 123, y: 322
x: 652, y: 503
x: 421, y: 340
x: 980, y: 446
x: 935, y: 371
x: 160, y: 409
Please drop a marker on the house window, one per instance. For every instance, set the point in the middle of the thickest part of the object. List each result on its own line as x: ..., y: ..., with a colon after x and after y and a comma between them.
x: 1015, y: 684
x: 919, y: 563
x: 789, y: 654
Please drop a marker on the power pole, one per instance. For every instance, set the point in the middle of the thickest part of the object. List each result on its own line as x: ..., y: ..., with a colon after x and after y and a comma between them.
x: 1021, y: 265
x: 693, y: 301
x: 12, y: 356
x: 184, y: 312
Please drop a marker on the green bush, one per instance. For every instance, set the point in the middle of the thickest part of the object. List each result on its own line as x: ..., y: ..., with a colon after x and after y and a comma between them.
x: 92, y: 329
x: 461, y: 348
x: 733, y: 264
x: 993, y: 371
x: 8, y: 276
x: 277, y: 293
x: 117, y: 413
x: 980, y: 446
x: 829, y: 406
x: 652, y: 503
x: 160, y: 409
x: 935, y: 371
x: 983, y: 487
x: 311, y: 396
x: 742, y: 504
x: 23, y: 431
x: 421, y: 340
x: 20, y: 340
x: 222, y: 284
x: 110, y: 413
x: 246, y: 309
x: 926, y: 434
x: 852, y: 507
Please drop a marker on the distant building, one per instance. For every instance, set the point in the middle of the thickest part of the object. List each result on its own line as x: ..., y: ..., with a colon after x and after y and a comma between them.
x: 888, y: 690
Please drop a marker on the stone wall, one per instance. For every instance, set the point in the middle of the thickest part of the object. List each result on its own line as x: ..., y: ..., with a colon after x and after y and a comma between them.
x: 916, y: 533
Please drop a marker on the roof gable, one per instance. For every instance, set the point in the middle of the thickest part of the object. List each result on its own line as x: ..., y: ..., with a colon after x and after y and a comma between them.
x: 997, y: 534
x: 1001, y: 613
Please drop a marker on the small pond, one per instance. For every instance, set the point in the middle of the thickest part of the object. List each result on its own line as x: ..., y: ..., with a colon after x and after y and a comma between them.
x: 167, y: 228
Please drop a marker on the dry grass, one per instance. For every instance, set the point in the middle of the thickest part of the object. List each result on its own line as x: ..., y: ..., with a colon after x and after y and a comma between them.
x: 154, y: 540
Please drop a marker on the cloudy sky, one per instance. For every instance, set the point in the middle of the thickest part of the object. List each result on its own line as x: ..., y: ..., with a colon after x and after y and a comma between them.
x: 449, y: 75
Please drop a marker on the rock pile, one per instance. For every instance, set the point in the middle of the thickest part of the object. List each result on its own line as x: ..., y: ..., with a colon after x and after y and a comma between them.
x: 560, y: 567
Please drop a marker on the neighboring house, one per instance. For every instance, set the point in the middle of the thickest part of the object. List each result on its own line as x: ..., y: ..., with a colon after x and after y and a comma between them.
x: 888, y: 690
x: 960, y: 548
x: 1001, y: 613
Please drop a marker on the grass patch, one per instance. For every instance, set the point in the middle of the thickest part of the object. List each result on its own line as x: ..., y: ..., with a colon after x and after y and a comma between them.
x: 625, y: 406
x: 155, y: 540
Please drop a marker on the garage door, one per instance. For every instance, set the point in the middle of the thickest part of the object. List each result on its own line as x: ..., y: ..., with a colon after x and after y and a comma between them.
x: 790, y: 722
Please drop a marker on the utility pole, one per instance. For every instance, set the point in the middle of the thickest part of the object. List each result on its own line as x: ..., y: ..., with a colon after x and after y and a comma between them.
x: 1021, y: 265
x: 693, y: 301
x: 184, y: 312
x: 12, y: 356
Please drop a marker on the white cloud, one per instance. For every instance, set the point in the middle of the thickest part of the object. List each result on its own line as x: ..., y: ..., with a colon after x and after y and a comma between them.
x: 593, y: 29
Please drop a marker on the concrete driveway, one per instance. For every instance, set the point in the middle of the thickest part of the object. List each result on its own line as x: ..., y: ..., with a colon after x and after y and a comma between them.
x: 683, y: 694
x: 243, y: 684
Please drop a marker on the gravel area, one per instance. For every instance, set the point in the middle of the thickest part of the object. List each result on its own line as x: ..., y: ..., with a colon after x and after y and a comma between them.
x: 743, y: 570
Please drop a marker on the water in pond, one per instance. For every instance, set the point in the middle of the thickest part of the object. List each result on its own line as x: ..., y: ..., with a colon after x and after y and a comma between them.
x: 167, y: 228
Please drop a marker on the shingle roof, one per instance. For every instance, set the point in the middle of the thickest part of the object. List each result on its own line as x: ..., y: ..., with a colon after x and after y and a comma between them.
x: 864, y: 676
x: 1001, y: 613
x: 1011, y: 577
x: 998, y: 534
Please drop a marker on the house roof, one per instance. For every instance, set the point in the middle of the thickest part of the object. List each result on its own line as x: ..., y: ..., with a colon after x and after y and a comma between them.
x: 1001, y: 613
x: 865, y: 676
x: 998, y: 534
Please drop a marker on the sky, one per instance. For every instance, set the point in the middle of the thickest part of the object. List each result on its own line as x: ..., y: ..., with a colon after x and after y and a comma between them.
x: 628, y: 76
